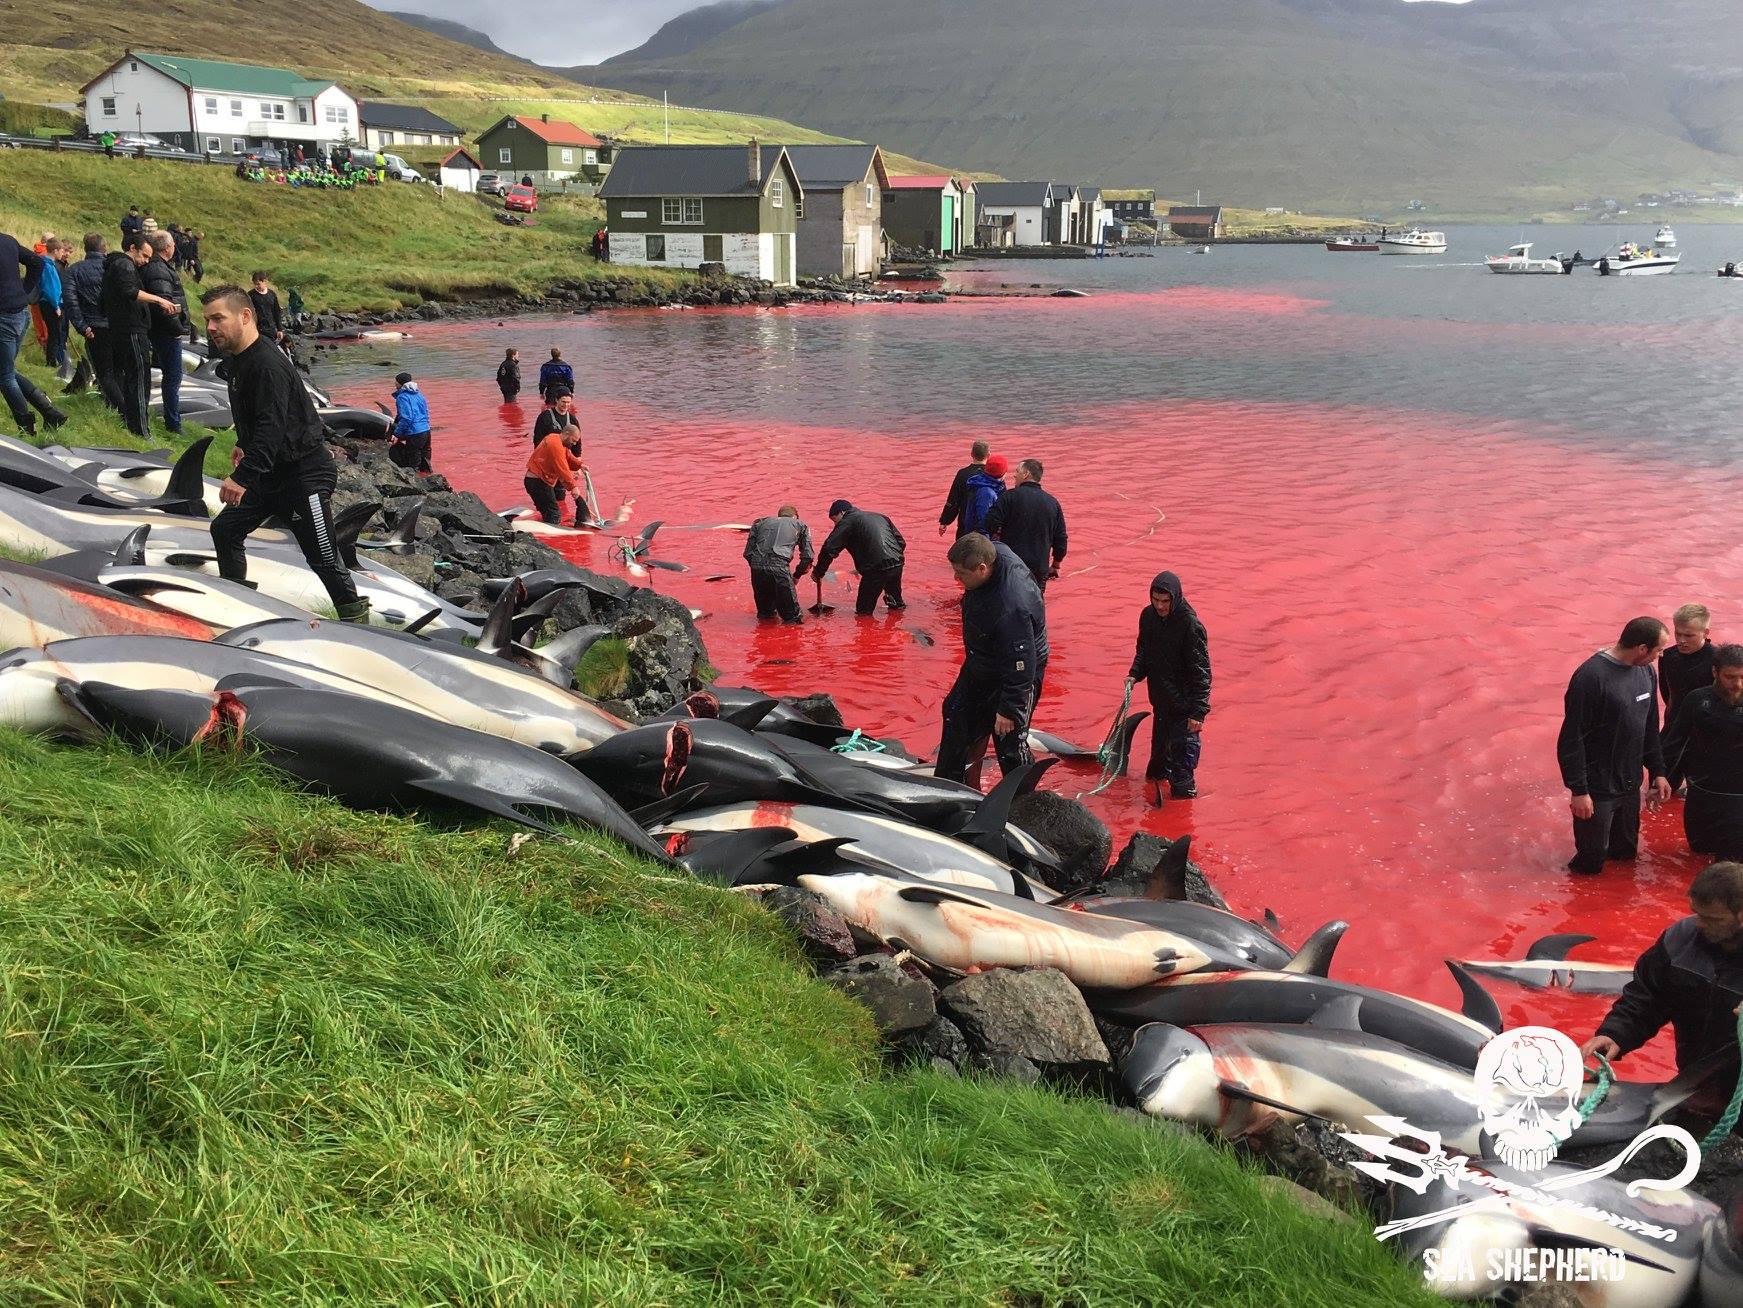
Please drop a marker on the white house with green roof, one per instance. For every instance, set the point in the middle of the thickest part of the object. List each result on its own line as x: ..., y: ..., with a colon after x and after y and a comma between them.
x: 213, y: 107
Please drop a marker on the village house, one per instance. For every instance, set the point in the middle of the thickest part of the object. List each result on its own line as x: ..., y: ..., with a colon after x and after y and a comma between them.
x: 841, y: 223
x: 1196, y: 222
x: 1062, y: 217
x: 459, y: 171
x: 681, y: 206
x: 1092, y: 218
x: 548, y: 150
x: 967, y: 212
x: 1131, y: 206
x: 386, y: 125
x: 921, y: 213
x: 1012, y: 213
x: 211, y: 107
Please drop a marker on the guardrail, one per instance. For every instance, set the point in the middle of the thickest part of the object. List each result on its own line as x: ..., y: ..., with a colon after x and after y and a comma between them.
x: 74, y: 145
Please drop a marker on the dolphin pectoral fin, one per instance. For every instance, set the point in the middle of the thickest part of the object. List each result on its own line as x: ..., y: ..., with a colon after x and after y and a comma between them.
x: 1123, y: 746
x: 651, y: 815
x: 1555, y: 946
x: 416, y: 625
x: 1545, y: 1237
x: 486, y: 801
x: 252, y: 680
x: 349, y: 525
x: 1234, y: 1090
x: 1677, y: 1090
x: 1479, y: 1005
x: 935, y: 895
x: 1341, y: 1014
x: 1314, y: 956
x: 1168, y: 880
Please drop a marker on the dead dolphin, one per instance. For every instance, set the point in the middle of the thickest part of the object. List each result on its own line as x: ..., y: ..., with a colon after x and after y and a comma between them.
x: 223, y: 604
x: 1223, y: 930
x: 37, y: 607
x: 940, y: 805
x: 1546, y: 966
x: 645, y: 763
x: 369, y: 752
x: 34, y: 524
x: 178, y: 491
x: 1722, y: 1260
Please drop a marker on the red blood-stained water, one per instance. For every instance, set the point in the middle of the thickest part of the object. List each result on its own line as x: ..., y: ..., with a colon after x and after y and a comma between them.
x: 1394, y: 606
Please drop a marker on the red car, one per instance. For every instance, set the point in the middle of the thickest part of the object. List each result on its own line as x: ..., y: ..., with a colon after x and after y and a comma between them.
x: 521, y: 199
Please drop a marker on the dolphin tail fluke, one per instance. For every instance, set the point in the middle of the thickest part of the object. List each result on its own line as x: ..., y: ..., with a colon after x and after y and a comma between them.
x: 187, y: 482
x: 1168, y: 881
x: 1479, y: 1005
x: 1123, y: 745
x: 349, y: 525
x: 1556, y: 947
x: 558, y: 658
x: 1314, y: 956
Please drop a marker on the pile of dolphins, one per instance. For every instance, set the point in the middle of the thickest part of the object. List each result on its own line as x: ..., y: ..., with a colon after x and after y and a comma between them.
x: 121, y: 628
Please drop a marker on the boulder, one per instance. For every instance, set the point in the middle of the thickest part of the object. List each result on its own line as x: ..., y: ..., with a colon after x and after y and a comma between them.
x: 1077, y: 837
x: 1132, y: 872
x: 941, y: 1041
x: 898, y: 1002
x: 465, y: 513
x: 818, y: 708
x: 1316, y: 1204
x: 823, y: 933
x: 1037, y: 1014
x: 419, y: 569
x: 429, y: 311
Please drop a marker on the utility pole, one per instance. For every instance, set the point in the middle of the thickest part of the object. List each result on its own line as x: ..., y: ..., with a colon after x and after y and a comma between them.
x: 666, y: 102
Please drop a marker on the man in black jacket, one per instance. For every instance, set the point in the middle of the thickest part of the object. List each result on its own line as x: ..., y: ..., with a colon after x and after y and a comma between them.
x: 1030, y: 521
x: 1004, y: 646
x: 127, y: 305
x: 1703, y: 745
x: 268, y: 317
x: 1687, y: 665
x: 877, y: 550
x: 1609, y: 731
x: 958, y: 496
x: 84, y: 301
x: 282, y: 467
x: 1692, y: 978
x: 1173, y: 656
x: 769, y: 551
x: 20, y: 272
x: 167, y: 329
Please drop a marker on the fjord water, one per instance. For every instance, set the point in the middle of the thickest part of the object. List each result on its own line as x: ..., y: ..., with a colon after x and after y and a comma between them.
x: 1406, y: 496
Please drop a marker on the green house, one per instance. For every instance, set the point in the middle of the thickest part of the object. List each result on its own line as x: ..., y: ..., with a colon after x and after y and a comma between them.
x: 547, y: 151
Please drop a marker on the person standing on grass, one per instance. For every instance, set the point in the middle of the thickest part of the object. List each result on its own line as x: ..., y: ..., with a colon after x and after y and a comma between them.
x: 508, y: 375
x: 554, y: 373
x: 408, y: 443
x: 167, y: 328
x: 132, y: 222
x: 83, y: 297
x: 268, y: 317
x: 196, y: 269
x: 49, y: 293
x: 281, y: 466
x: 127, y: 305
x: 552, y: 470
x: 958, y: 493
x: 1173, y: 657
x: 15, y: 290
x: 108, y: 139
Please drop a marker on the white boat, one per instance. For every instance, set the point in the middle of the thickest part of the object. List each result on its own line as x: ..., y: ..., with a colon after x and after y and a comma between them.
x: 1665, y: 239
x: 1414, y: 241
x: 1518, y: 260
x: 1637, y: 261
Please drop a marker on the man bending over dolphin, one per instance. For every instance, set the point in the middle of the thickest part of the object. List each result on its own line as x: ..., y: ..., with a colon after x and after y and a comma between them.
x: 282, y: 466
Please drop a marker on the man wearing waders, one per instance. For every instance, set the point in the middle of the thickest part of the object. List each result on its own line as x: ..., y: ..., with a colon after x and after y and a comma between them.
x: 1173, y: 656
x: 769, y: 551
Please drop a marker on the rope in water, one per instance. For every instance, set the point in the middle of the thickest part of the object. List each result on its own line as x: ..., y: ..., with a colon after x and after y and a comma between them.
x: 1110, y: 753
x: 858, y: 743
x: 1733, y: 1110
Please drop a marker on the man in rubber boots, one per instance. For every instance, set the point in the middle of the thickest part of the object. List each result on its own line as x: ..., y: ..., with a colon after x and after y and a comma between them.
x: 877, y: 550
x: 1004, y: 645
x: 769, y: 551
x: 282, y: 466
x: 1173, y: 657
x: 1703, y: 745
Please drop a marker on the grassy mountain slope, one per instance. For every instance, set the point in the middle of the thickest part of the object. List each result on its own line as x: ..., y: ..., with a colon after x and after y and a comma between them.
x: 691, y: 28
x: 450, y: 30
x: 1255, y: 101
x: 264, y: 1051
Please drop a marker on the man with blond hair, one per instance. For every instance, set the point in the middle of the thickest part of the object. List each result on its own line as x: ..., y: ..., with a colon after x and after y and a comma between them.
x: 1688, y: 665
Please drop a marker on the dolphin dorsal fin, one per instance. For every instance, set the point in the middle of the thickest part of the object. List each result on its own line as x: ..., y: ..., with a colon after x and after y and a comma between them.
x: 985, y: 828
x: 187, y: 480
x: 1168, y: 880
x: 1479, y: 1005
x: 349, y: 525
x: 497, y: 633
x: 1341, y: 1014
x: 405, y: 536
x: 1314, y: 956
x: 130, y: 553
x: 1554, y: 947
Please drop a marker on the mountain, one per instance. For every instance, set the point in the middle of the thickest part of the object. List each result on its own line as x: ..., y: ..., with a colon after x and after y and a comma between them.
x: 1335, y: 105
x: 448, y: 28
x: 690, y: 29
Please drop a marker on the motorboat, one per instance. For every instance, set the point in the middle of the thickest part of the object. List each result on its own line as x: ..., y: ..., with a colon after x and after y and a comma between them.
x: 1665, y: 238
x: 1637, y: 261
x: 1518, y: 260
x: 1352, y: 245
x: 1731, y: 270
x: 1414, y: 241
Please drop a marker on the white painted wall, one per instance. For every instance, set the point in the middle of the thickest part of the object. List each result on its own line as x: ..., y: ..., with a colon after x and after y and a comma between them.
x: 745, y: 254
x: 462, y: 178
x: 161, y: 101
x: 351, y: 125
x: 1029, y: 227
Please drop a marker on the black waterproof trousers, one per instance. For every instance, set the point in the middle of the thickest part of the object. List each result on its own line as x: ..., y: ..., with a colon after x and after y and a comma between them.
x: 298, y: 496
x: 99, y: 350
x: 970, y: 710
x: 1612, y: 832
x: 130, y: 356
x: 775, y: 595
x: 886, y: 582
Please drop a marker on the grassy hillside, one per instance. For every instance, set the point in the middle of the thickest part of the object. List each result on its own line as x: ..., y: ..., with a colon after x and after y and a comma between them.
x: 262, y: 1050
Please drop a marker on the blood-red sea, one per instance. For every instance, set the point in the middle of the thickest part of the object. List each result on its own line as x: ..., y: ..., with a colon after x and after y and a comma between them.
x: 1401, y: 549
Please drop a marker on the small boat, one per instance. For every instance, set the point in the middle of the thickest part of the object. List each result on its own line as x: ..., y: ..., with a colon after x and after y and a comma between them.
x: 1731, y: 270
x: 1665, y: 238
x: 1352, y: 245
x: 1518, y: 260
x: 1414, y: 241
x: 1637, y: 261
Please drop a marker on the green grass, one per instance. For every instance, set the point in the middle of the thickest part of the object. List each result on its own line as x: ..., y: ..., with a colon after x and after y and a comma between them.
x: 262, y: 1050
x: 604, y: 669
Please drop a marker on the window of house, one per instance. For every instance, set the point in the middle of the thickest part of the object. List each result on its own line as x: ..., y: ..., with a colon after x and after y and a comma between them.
x: 214, y: 145
x: 568, y: 156
x: 505, y: 155
x: 590, y: 157
x: 272, y: 111
x: 236, y: 108
x: 778, y: 193
x: 212, y: 105
x: 681, y: 211
x: 799, y: 207
x: 656, y: 249
x: 870, y: 197
x: 238, y: 145
x: 109, y: 106
x: 302, y: 113
x: 133, y: 67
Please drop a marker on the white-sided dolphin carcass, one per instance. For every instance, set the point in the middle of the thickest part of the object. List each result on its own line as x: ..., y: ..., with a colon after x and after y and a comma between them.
x: 1546, y: 966
x: 1722, y: 1260
x: 176, y: 490
x: 38, y: 606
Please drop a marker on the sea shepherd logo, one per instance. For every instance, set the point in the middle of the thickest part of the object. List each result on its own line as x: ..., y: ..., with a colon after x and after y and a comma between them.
x: 1528, y: 1085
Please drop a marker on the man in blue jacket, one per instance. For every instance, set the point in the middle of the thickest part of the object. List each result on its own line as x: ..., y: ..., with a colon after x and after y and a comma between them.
x: 554, y: 373
x: 1004, y: 645
x: 408, y: 444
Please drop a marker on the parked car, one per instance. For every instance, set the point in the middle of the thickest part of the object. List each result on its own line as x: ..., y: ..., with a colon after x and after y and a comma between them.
x: 133, y: 140
x: 490, y: 184
x: 268, y: 156
x: 521, y: 199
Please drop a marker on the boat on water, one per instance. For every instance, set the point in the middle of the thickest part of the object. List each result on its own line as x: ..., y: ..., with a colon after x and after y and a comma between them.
x: 1637, y: 261
x: 1731, y: 270
x: 1414, y: 241
x: 1518, y: 259
x: 1352, y: 245
x: 1665, y: 239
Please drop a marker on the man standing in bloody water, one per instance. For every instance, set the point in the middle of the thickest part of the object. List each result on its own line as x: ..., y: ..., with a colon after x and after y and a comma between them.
x: 958, y: 496
x: 1689, y: 664
x: 877, y: 550
x: 1703, y: 745
x: 1173, y: 656
x: 770, y: 552
x: 1609, y: 731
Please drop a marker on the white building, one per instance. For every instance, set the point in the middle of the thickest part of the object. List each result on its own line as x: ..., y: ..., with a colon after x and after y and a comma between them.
x: 211, y: 107
x: 1024, y: 209
x: 459, y: 171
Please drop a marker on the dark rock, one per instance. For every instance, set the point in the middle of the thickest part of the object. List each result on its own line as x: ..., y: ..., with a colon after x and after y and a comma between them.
x: 664, y: 661
x: 460, y: 586
x: 898, y: 1002
x: 1038, y: 1014
x: 930, y: 297
x: 939, y: 1041
x: 1012, y: 1067
x: 420, y: 569
x: 462, y: 511
x: 818, y: 708
x: 823, y: 933
x: 1077, y: 837
x: 1132, y: 872
x: 1315, y: 1157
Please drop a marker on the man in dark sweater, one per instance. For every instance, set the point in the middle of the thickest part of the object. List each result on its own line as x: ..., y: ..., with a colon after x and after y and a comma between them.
x: 1173, y: 657
x: 1688, y: 665
x: 282, y: 467
x: 1703, y: 745
x: 1030, y: 521
x: 1692, y: 978
x: 168, y: 330
x: 958, y: 496
x: 1004, y: 647
x: 127, y: 305
x: 268, y: 316
x: 1609, y: 730
x: 84, y: 299
x: 769, y: 551
x: 877, y: 550
x: 20, y: 273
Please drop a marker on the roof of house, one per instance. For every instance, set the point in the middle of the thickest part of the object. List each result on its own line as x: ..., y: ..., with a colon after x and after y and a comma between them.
x: 1134, y: 194
x: 1022, y: 194
x: 1089, y: 192
x: 405, y: 118
x: 831, y: 167
x: 218, y: 75
x: 460, y: 153
x: 1204, y: 212
x: 690, y: 170
x: 552, y: 131
x: 1061, y: 190
x: 928, y: 182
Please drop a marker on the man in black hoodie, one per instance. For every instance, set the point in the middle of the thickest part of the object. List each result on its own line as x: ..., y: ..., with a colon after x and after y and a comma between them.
x: 1030, y: 521
x: 958, y: 496
x: 127, y: 305
x: 1173, y: 656
x: 877, y: 550
x: 1703, y: 745
x: 1609, y: 731
x: 84, y: 300
x: 1004, y: 646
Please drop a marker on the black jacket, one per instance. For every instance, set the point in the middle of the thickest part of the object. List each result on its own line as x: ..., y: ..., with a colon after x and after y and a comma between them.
x: 15, y: 290
x: 1173, y: 655
x: 1004, y: 633
x: 83, y: 294
x: 1687, y: 982
x: 276, y: 423
x: 1030, y: 521
x: 550, y: 421
x: 1703, y: 745
x: 1609, y: 728
x: 508, y: 374
x: 268, y: 317
x: 772, y: 542
x: 160, y: 279
x: 953, y: 502
x: 870, y: 539
x: 120, y: 295
x: 1679, y: 673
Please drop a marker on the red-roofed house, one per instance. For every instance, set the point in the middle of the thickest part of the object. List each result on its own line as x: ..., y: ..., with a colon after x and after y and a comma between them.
x: 547, y: 150
x: 923, y: 213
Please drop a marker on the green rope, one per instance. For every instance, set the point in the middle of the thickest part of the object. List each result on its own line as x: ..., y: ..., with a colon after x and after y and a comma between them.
x: 858, y: 743
x: 1108, y: 754
x: 1728, y: 1120
x: 1606, y: 1079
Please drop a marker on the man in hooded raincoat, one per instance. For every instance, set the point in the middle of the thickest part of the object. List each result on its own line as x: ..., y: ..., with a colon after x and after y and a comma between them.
x: 1173, y: 657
